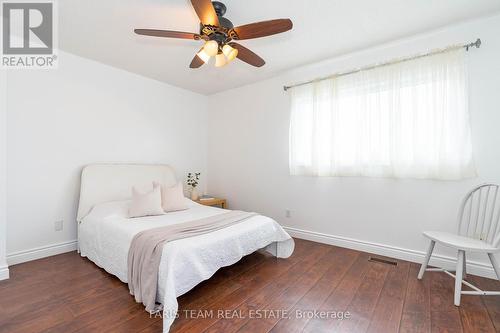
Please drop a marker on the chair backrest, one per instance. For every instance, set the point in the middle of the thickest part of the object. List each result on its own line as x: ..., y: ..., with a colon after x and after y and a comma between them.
x: 479, y: 214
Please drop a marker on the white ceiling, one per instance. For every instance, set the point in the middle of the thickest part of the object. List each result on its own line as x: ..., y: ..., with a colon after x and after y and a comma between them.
x: 103, y: 31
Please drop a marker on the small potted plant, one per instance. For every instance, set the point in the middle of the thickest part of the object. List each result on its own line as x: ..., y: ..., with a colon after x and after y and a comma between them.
x: 192, y: 181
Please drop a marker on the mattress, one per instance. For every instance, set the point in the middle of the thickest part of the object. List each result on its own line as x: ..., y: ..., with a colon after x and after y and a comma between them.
x: 105, y: 235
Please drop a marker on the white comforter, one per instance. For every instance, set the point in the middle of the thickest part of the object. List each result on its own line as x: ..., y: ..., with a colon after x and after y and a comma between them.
x: 106, y: 233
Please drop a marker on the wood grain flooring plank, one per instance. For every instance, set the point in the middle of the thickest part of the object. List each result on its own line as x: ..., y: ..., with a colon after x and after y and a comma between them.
x: 316, y: 296
x: 342, y: 296
x: 445, y: 316
x: 291, y: 295
x: 389, y: 309
x: 363, y: 304
x: 416, y: 310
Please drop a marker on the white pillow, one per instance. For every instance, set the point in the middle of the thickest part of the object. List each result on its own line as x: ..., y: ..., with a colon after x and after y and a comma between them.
x: 145, y: 204
x: 172, y: 198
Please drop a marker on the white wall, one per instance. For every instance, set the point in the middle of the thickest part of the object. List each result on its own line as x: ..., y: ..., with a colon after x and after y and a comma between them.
x: 85, y: 112
x: 4, y: 272
x: 248, y: 156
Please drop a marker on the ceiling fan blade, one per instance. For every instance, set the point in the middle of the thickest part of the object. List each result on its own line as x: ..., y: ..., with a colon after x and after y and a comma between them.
x: 205, y: 11
x: 196, y: 62
x: 248, y: 56
x: 167, y: 33
x: 262, y: 29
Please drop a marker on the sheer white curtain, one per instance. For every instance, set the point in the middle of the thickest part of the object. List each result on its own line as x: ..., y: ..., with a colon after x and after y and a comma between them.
x: 408, y: 119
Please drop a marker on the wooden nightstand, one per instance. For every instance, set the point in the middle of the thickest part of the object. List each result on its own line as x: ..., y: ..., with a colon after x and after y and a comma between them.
x: 213, y: 202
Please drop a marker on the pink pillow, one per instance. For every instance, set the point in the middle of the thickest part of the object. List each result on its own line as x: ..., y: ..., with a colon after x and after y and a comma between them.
x: 145, y: 204
x: 172, y: 198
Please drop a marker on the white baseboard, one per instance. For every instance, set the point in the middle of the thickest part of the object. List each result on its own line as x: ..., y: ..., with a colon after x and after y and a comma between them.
x: 473, y: 267
x: 449, y: 263
x: 41, y: 252
x: 4, y: 273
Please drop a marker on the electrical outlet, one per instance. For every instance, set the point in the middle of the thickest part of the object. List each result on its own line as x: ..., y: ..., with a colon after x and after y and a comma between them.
x: 58, y: 225
x: 288, y: 213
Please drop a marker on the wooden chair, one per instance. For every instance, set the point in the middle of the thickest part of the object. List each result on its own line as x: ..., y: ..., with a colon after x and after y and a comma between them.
x: 478, y: 231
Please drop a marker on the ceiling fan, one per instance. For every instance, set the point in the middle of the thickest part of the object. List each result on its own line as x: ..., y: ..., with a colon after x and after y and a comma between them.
x: 218, y: 33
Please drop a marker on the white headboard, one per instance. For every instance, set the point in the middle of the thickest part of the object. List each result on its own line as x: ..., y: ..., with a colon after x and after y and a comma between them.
x: 110, y: 182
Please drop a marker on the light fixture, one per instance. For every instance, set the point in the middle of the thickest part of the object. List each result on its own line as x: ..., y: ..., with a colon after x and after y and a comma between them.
x: 211, y: 48
x: 220, y: 60
x: 229, y: 52
x: 203, y: 55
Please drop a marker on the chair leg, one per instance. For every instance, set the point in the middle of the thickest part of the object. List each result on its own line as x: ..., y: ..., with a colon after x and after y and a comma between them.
x: 495, y: 265
x: 458, y: 276
x: 464, y: 272
x: 426, y: 260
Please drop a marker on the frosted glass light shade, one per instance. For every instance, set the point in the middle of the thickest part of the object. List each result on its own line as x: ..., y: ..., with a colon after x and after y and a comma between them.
x: 220, y: 60
x: 211, y: 48
x: 203, y: 56
x: 229, y: 52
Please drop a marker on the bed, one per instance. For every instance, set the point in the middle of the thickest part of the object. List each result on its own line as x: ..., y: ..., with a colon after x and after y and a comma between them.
x: 105, y: 232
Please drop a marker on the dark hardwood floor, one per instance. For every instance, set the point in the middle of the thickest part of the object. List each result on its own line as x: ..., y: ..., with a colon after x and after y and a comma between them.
x: 67, y: 293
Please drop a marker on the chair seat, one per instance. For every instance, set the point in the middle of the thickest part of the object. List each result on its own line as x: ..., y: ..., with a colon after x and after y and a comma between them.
x: 460, y: 242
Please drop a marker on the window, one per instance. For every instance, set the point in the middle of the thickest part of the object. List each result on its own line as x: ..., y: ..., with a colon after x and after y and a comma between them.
x: 408, y: 119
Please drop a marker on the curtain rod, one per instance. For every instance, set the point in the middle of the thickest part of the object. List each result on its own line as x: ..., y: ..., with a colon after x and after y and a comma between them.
x: 476, y: 44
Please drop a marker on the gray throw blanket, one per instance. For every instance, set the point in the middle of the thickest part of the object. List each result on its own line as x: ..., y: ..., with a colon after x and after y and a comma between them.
x: 146, y: 248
